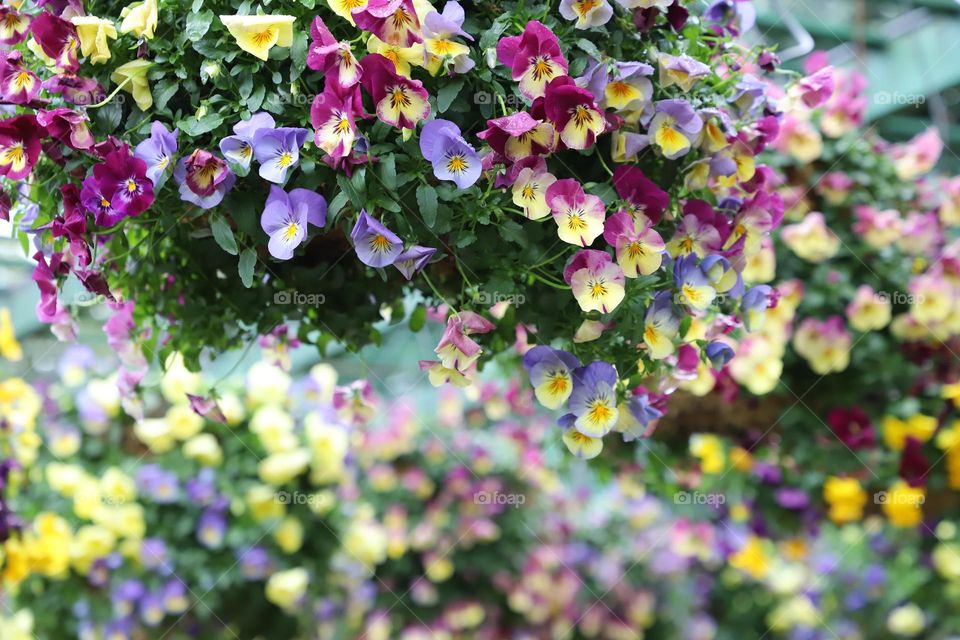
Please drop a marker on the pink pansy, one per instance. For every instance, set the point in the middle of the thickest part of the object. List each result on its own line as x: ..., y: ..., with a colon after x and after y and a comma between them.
x: 919, y: 155
x: 757, y: 218
x: 393, y: 21
x: 333, y: 115
x: 639, y: 247
x: 456, y: 350
x: 596, y: 282
x: 519, y: 135
x: 57, y: 39
x: 67, y: 126
x: 18, y: 85
x: 574, y: 113
x: 331, y: 57
x: 919, y: 233
x: 579, y: 216
x: 14, y: 26
x: 694, y: 235
x: 816, y: 88
x: 19, y: 146
x: 643, y: 196
x: 401, y: 102
x: 534, y: 58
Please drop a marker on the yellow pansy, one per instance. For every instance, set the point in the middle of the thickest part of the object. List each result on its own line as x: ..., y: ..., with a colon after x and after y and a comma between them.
x: 286, y: 588
x: 344, y: 8
x: 9, y: 347
x: 289, y: 535
x: 258, y: 34
x: 846, y: 499
x: 134, y: 74
x: 401, y: 57
x: 205, y: 449
x: 93, y: 33
x: 709, y: 448
x: 140, y: 18
x: 752, y: 558
x: 903, y: 504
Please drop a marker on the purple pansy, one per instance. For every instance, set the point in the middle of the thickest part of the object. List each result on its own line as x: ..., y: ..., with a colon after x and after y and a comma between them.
x: 285, y: 219
x: 278, y: 150
x: 693, y: 284
x: 551, y: 374
x: 452, y: 157
x: 238, y: 148
x: 158, y: 151
x: 594, y: 399
x: 376, y: 245
x: 204, y: 179
x: 411, y: 261
x: 123, y: 181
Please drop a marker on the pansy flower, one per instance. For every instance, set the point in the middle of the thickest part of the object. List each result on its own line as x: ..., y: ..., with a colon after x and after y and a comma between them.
x: 639, y: 247
x: 452, y: 157
x: 57, y: 39
x: 756, y: 219
x: 753, y: 306
x: 140, y: 19
x: 97, y: 202
x: 723, y: 277
x: 579, y: 216
x: 660, y: 326
x: 124, y: 178
x: 439, y: 30
x: 619, y: 85
x: 682, y: 71
x: 345, y: 8
x: 401, y: 57
x: 204, y: 179
x: 587, y: 13
x: 333, y: 115
x: 18, y: 85
x: 456, y: 349
x: 519, y: 135
x: 596, y: 282
x: 93, y: 33
x: 579, y: 444
x: 674, y: 127
x: 551, y: 374
x: 376, y: 246
x: 258, y: 34
x: 642, y: 195
x: 285, y: 217
x: 159, y: 152
x: 534, y: 58
x: 81, y: 91
x: 694, y: 235
x: 278, y: 150
x: 238, y: 148
x: 393, y: 21
x: 333, y: 58
x: 133, y: 77
x: 67, y: 126
x: 412, y: 260
x: 692, y: 283
x: 530, y: 192
x: 400, y: 102
x: 594, y: 399
x: 19, y: 146
x: 627, y: 145
x: 574, y: 113
x: 14, y: 26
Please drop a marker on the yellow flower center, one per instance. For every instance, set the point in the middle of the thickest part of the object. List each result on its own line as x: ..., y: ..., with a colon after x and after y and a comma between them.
x: 132, y: 186
x: 575, y: 221
x: 291, y: 231
x: 399, y: 97
x: 456, y: 163
x: 14, y: 154
x: 285, y: 160
x: 263, y: 38
x: 529, y: 192
x: 583, y: 7
x: 542, y: 68
x: 23, y: 79
x: 598, y: 289
x: 599, y: 412
x: 379, y: 243
x: 582, y: 116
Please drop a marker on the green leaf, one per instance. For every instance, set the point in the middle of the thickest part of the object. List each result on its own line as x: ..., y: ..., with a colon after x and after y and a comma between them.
x: 256, y: 98
x: 590, y: 49
x: 194, y: 127
x: 198, y: 24
x: 248, y: 259
x: 418, y: 318
x: 427, y: 203
x: 512, y: 231
x: 490, y: 37
x: 223, y: 234
x: 447, y: 94
x: 388, y: 172
x: 162, y: 93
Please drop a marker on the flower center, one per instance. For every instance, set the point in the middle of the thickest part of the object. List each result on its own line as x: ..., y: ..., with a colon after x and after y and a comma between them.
x: 399, y: 98
x: 379, y: 243
x: 285, y: 160
x: 14, y: 155
x: 456, y: 163
x: 598, y: 288
x: 575, y: 221
x: 291, y: 231
x: 262, y: 38
x: 542, y: 68
x: 132, y: 186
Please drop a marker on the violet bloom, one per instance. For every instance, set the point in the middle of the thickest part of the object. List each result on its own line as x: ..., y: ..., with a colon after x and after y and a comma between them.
x: 675, y: 127
x: 587, y: 13
x: 285, y: 219
x: 81, y: 91
x: 411, y: 261
x: 443, y: 26
x: 754, y: 306
x: 158, y: 151
x: 594, y: 399
x: 14, y: 26
x: 642, y: 410
x: 67, y: 126
x: 255, y: 563
x: 175, y: 596
x: 278, y: 150
x: 519, y: 136
x: 376, y: 245
x: 238, y: 148
x: 204, y: 179
x: 125, y: 597
x: 735, y: 15
x: 211, y: 528
x: 335, y: 59
x: 18, y: 85
x: 719, y: 353
x: 122, y: 179
x: 452, y: 157
x: 152, y: 610
x: 550, y: 372
x: 692, y: 283
x: 158, y: 483
x: 153, y: 553
x: 535, y: 58
x: 58, y: 40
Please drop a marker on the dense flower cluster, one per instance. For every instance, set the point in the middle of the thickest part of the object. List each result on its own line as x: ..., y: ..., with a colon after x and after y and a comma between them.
x: 367, y: 159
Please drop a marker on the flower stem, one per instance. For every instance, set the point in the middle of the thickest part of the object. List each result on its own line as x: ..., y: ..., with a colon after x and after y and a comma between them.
x: 112, y: 94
